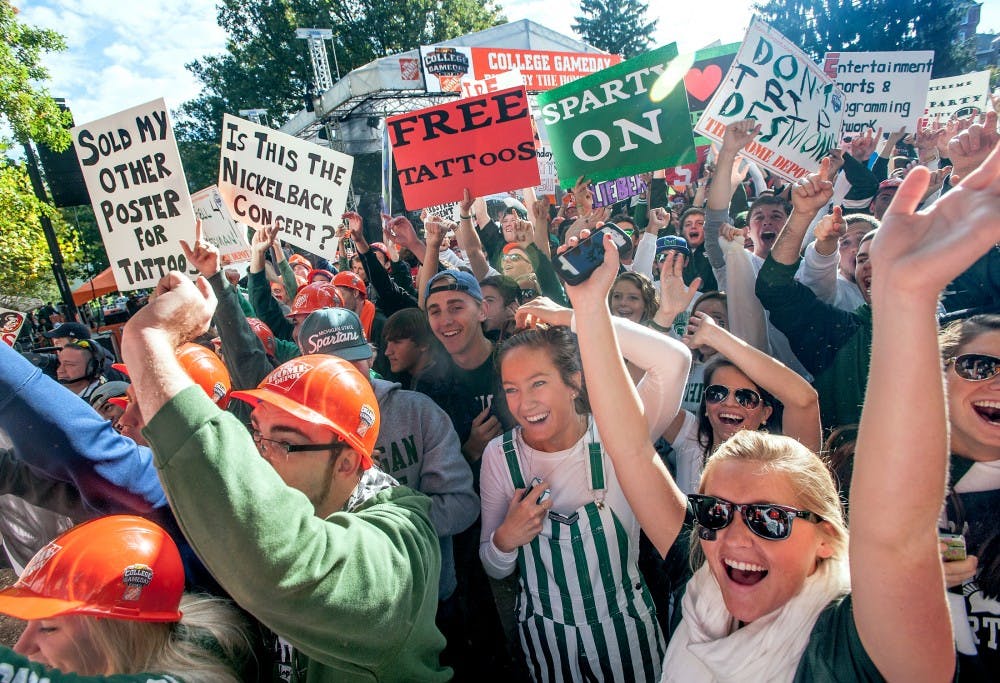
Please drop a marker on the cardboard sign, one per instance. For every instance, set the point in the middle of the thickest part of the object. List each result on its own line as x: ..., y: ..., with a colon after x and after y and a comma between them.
x: 444, y: 67
x: 447, y: 211
x: 883, y: 89
x: 681, y: 177
x: 508, y: 79
x: 958, y: 96
x: 218, y: 227
x: 137, y: 189
x: 483, y: 143
x: 608, y: 125
x: 269, y: 178
x: 386, y: 168
x: 613, y: 191
x: 704, y: 78
x: 799, y: 108
x: 10, y: 325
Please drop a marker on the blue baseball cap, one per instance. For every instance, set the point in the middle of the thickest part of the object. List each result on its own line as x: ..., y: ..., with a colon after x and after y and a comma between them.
x: 673, y: 243
x: 454, y: 281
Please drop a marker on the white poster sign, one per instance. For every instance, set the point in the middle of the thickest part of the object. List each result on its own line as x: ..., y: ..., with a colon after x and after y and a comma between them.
x: 883, y: 89
x: 137, y: 189
x: 958, y: 95
x: 218, y: 227
x: 799, y: 108
x: 270, y: 178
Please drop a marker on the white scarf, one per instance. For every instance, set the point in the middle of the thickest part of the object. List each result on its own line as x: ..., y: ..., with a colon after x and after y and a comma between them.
x: 702, y: 649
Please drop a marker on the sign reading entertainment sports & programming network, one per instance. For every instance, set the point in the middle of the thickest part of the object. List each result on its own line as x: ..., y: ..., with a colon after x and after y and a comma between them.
x: 444, y: 67
x: 800, y: 108
x: 884, y: 89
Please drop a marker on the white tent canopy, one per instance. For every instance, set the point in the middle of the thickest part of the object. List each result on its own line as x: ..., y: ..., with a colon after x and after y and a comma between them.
x: 390, y: 85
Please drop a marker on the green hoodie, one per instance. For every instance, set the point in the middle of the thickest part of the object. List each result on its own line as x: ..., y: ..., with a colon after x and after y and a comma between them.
x: 355, y: 594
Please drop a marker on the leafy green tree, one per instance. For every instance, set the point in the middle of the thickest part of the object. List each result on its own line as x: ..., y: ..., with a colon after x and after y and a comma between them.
x: 617, y: 27
x: 266, y: 67
x: 819, y: 26
x: 28, y: 112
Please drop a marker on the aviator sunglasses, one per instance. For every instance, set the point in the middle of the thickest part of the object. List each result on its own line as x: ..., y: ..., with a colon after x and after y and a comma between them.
x: 748, y: 398
x: 767, y: 520
x: 975, y: 367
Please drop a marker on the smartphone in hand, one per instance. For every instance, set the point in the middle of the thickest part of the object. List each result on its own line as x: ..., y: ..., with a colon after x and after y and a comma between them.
x: 579, y: 263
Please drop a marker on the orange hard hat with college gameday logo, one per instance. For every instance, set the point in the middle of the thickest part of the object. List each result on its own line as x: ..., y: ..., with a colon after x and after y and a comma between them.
x: 314, y: 297
x: 325, y: 390
x: 204, y: 367
x: 120, y: 567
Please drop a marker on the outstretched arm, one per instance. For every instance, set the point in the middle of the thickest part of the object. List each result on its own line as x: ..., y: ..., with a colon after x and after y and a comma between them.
x: 657, y: 502
x: 896, y: 573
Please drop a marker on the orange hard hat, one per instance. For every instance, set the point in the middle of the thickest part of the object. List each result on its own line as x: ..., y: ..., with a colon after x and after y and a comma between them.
x: 315, y: 296
x: 120, y: 567
x: 204, y: 367
x: 207, y: 370
x: 264, y: 333
x: 350, y: 280
x: 325, y: 390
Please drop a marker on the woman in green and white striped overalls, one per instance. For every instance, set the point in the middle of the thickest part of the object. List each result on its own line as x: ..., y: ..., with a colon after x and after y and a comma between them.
x: 553, y: 509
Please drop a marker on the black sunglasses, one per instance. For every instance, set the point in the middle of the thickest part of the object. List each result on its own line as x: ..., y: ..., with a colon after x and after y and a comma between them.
x: 975, y: 367
x: 748, y: 398
x: 767, y: 520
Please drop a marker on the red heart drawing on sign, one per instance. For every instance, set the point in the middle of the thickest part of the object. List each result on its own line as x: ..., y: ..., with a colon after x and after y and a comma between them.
x: 701, y: 84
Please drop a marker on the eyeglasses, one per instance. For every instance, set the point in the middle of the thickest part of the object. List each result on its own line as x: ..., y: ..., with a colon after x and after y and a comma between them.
x: 975, y: 367
x: 767, y: 520
x: 513, y: 257
x: 264, y: 444
x: 748, y: 398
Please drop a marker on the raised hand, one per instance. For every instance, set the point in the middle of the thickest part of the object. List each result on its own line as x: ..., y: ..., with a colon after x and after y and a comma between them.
x: 583, y: 196
x: 861, y: 147
x: 485, y: 428
x: 675, y: 296
x: 355, y: 224
x: 701, y: 331
x: 813, y: 191
x: 204, y: 256
x: 968, y: 149
x: 920, y: 253
x: 401, y: 231
x: 465, y: 204
x: 542, y: 310
x: 179, y: 309
x: 831, y: 228
x: 739, y: 134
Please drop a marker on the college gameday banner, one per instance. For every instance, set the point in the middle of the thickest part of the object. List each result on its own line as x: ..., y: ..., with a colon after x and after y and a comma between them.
x: 267, y: 178
x: 445, y: 67
x: 483, y: 143
x: 800, y: 109
x: 620, y: 121
x: 137, y: 188
x: 884, y: 89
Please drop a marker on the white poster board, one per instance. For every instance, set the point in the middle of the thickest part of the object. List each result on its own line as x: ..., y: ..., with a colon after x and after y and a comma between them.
x: 137, y: 189
x: 218, y: 227
x: 958, y: 95
x: 883, y: 89
x: 799, y: 108
x: 270, y: 178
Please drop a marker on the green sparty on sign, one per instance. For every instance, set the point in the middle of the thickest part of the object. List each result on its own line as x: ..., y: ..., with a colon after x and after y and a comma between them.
x: 627, y: 119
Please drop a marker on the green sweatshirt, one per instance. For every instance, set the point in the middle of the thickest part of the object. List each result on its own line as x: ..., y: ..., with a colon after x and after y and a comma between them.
x: 14, y: 667
x: 355, y: 594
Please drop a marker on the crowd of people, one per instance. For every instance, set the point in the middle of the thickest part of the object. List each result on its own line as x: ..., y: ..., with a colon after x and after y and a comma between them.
x: 432, y: 459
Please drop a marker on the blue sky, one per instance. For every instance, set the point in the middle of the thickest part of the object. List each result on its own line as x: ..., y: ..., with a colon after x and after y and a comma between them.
x: 124, y: 53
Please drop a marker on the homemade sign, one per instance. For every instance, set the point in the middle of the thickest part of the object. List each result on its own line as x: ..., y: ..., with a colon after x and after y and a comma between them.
x: 484, y: 143
x: 444, y: 67
x: 10, y: 325
x: 612, y: 191
x: 883, y: 89
x: 609, y: 125
x: 137, y: 189
x: 799, y: 108
x: 958, y: 95
x: 269, y: 178
x: 218, y: 227
x: 508, y: 79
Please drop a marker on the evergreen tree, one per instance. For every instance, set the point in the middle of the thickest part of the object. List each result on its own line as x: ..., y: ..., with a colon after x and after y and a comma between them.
x: 267, y: 67
x: 616, y: 27
x: 819, y: 26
